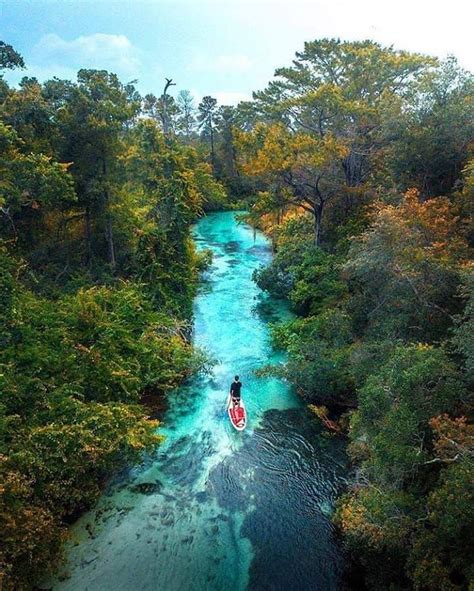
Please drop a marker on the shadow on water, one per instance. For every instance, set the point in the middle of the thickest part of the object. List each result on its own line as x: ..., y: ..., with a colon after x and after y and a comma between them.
x: 292, y: 475
x: 213, y: 509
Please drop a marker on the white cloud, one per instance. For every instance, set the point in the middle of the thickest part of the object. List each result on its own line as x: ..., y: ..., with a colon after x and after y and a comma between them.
x: 111, y: 52
x: 237, y: 62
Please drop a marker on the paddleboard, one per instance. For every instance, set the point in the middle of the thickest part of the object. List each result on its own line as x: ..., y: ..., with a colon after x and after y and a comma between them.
x: 237, y: 415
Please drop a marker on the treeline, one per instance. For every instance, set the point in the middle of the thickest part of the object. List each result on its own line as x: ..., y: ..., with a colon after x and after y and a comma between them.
x: 361, y: 160
x: 357, y: 159
x: 97, y: 277
x: 212, y: 129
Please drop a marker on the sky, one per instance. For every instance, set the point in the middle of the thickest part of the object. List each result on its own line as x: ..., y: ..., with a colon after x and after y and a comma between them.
x: 222, y: 48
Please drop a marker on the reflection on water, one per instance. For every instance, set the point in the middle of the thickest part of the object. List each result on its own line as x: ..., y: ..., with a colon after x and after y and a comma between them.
x: 215, y: 509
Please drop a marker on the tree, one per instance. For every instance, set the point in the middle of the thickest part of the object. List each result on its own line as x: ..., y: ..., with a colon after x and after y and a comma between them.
x: 403, y: 268
x: 91, y: 125
x: 206, y: 116
x: 343, y: 88
x: 97, y: 278
x: 428, y: 141
x: 442, y: 538
x: 173, y: 185
x: 9, y: 57
x: 186, y: 118
x: 225, y: 126
x: 164, y: 110
x: 31, y: 185
x: 326, y: 113
x: 463, y: 338
x: 33, y: 117
x: 306, y: 275
x: 406, y: 525
x: 164, y: 105
x: 395, y: 407
x: 300, y: 167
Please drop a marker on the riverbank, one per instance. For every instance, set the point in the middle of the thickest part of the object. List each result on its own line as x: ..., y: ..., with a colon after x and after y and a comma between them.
x: 213, y: 507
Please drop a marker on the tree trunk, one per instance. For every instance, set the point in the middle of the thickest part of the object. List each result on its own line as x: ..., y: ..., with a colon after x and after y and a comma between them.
x: 353, y: 168
x: 213, y: 156
x: 164, y: 100
x: 318, y: 216
x: 87, y: 219
x: 188, y: 126
x: 109, y: 233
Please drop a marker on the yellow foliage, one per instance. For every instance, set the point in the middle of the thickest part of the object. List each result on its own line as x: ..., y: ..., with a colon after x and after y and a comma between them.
x: 273, y: 150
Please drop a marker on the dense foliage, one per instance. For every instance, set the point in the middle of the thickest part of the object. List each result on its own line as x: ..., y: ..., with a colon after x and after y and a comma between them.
x: 361, y: 157
x: 97, y: 277
x: 357, y: 160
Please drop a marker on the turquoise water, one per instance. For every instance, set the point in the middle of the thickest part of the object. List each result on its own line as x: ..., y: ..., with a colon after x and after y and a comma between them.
x: 216, y: 509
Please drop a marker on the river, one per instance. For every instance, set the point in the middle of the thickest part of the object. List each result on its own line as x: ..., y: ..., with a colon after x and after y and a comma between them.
x: 215, y: 509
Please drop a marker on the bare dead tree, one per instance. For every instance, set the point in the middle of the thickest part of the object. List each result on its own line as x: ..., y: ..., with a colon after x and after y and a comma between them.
x: 164, y: 97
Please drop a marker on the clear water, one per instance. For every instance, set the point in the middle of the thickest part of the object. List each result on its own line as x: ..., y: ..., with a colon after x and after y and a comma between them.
x: 216, y: 509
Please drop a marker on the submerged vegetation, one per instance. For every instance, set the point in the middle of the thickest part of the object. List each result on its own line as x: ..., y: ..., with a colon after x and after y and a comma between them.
x: 357, y: 161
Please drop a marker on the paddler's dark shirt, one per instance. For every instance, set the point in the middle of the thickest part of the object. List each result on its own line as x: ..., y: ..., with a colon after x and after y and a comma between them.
x: 235, y: 389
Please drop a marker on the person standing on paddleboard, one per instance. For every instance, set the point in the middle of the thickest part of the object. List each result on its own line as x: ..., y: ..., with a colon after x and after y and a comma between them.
x: 235, y: 388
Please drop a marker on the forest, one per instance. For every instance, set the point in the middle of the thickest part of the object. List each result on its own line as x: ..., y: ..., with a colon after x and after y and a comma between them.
x: 357, y: 161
